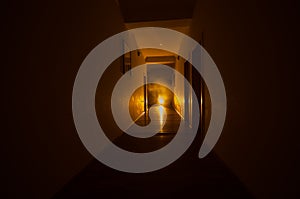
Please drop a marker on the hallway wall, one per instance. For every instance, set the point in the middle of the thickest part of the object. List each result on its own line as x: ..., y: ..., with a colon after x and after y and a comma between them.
x: 179, y: 87
x: 136, y: 106
x: 45, y: 44
x: 253, y: 44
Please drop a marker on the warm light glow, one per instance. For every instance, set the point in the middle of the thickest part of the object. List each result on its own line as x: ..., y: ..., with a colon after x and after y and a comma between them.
x: 161, y: 100
x: 161, y: 112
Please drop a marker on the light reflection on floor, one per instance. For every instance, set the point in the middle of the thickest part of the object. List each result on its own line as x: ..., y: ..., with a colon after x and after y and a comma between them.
x: 161, y: 112
x: 158, y: 114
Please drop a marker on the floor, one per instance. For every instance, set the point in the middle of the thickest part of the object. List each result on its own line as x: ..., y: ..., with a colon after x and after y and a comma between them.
x: 188, y: 177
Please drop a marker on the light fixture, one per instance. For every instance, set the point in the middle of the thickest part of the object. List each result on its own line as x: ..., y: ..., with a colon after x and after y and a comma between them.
x: 160, y: 100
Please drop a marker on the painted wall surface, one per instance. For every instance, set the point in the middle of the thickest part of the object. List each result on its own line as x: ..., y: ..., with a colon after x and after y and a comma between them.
x: 103, y: 99
x: 46, y: 44
x: 254, y: 46
x: 179, y: 103
x: 136, y: 104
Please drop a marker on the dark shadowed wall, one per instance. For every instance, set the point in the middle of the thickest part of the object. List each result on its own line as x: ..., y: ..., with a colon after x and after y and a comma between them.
x: 45, y: 43
x: 254, y: 45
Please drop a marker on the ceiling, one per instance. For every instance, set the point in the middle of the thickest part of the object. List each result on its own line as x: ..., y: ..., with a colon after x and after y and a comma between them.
x: 154, y: 10
x: 181, y: 25
x: 175, y: 15
x: 155, y: 52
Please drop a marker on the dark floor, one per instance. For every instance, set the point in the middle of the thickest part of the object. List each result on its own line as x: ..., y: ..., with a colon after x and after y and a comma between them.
x: 188, y: 177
